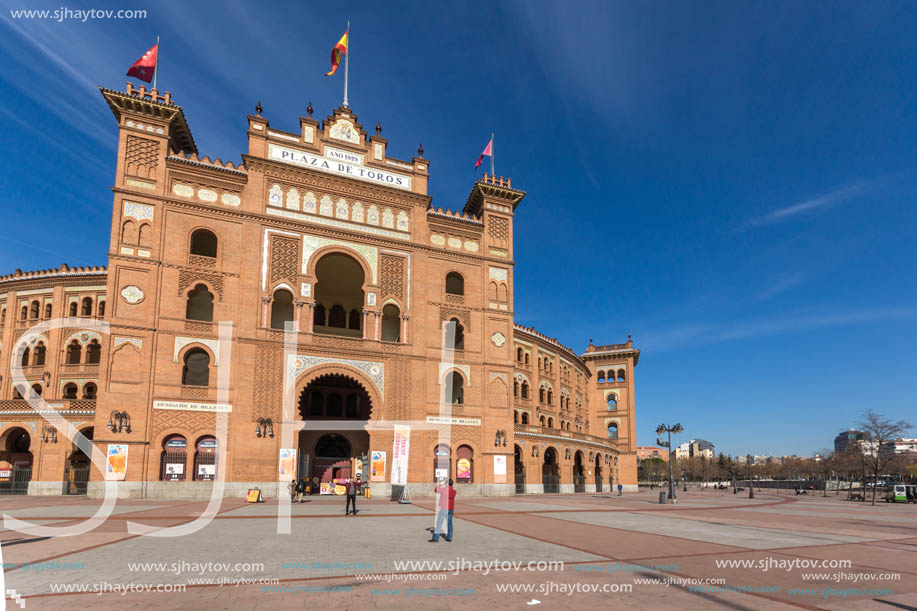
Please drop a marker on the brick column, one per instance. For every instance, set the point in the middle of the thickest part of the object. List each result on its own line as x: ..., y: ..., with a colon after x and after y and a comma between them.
x: 377, y: 324
x: 311, y: 320
x: 264, y: 309
x: 297, y: 315
x: 404, y: 328
x: 365, y: 317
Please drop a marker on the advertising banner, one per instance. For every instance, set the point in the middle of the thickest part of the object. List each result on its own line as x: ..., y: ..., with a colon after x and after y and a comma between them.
x: 463, y: 469
x: 378, y: 466
x: 499, y: 469
x: 287, y: 465
x: 117, y: 460
x: 400, y: 452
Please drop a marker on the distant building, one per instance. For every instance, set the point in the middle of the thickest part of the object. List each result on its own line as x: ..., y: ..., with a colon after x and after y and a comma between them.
x: 645, y: 452
x: 695, y: 447
x: 900, y: 446
x: 848, y: 440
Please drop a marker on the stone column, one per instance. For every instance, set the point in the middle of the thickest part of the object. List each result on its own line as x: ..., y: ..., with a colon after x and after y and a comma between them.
x: 297, y: 315
x: 365, y: 318
x: 266, y: 300
x: 404, y: 328
x: 377, y: 315
x: 311, y: 320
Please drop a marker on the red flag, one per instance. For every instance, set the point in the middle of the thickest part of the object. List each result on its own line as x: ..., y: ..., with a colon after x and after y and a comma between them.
x: 145, y: 67
x: 488, y: 151
x: 339, y: 49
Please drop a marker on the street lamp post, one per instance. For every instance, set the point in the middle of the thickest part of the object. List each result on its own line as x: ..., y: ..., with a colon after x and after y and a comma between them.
x: 751, y: 486
x: 662, y: 428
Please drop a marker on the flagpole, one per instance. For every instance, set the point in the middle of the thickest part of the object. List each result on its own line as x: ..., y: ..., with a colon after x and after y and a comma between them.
x: 347, y: 65
x: 492, y: 155
x: 156, y: 67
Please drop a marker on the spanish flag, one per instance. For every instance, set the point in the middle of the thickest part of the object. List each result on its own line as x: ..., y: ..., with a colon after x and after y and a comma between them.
x: 336, y: 53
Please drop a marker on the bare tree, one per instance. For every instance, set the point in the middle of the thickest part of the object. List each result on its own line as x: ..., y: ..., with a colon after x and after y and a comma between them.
x: 826, y: 465
x: 883, y: 433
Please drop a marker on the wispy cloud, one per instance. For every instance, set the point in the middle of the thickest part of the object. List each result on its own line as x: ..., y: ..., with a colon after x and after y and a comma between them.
x: 813, y: 205
x: 781, y: 285
x: 694, y: 334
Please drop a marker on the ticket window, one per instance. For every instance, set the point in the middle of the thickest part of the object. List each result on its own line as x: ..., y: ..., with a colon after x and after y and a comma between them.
x: 205, y: 459
x: 174, y: 459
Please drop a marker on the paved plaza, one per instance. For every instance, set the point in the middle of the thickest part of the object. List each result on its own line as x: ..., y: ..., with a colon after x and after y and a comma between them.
x: 628, y: 551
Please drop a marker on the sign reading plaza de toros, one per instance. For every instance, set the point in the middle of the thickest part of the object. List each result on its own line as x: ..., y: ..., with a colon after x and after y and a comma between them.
x: 341, y: 164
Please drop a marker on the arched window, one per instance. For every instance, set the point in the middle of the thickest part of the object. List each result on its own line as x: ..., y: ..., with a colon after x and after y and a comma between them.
x: 73, y: 307
x: 442, y: 462
x: 464, y: 465
x: 37, y: 389
x: 515, y: 417
x: 543, y: 421
x: 620, y: 375
x: 70, y: 390
x: 337, y: 317
x: 74, y: 353
x: 174, y: 458
x: 39, y: 354
x: 526, y: 358
x: 26, y: 354
x: 550, y: 397
x: 455, y: 284
x: 550, y: 423
x: 17, y: 392
x: 129, y: 232
x: 612, y: 402
x: 454, y: 388
x: 391, y: 323
x: 525, y: 418
x: 34, y: 309
x: 90, y: 390
x: 525, y: 389
x: 24, y: 314
x: 93, y: 352
x: 205, y: 459
x: 338, y: 290
x: 519, y: 354
x: 541, y: 394
x: 145, y: 232
x: 353, y: 319
x: 459, y: 343
x: 48, y: 310
x: 196, y: 371
x: 612, y: 430
x: 281, y: 309
x: 515, y: 388
x: 87, y: 307
x: 601, y: 377
x: 101, y: 308
x: 319, y: 316
x: 204, y: 243
x: 200, y: 304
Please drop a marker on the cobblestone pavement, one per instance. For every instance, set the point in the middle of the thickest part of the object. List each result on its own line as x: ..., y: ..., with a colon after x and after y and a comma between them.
x: 714, y: 550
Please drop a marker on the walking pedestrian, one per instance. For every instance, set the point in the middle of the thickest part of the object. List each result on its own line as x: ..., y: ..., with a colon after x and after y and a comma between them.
x: 300, y: 489
x: 352, y: 487
x: 446, y: 510
x: 620, y: 489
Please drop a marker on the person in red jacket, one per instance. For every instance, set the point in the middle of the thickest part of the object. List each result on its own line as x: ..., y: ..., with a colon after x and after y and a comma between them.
x: 446, y: 509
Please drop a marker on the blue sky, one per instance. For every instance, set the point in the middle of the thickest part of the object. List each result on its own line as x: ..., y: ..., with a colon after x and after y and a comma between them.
x: 733, y: 183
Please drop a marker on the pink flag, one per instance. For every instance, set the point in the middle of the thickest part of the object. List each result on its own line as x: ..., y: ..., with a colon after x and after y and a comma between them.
x: 488, y: 151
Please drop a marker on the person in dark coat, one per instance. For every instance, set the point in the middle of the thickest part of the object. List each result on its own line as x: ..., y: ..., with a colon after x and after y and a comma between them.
x: 300, y: 489
x: 352, y: 486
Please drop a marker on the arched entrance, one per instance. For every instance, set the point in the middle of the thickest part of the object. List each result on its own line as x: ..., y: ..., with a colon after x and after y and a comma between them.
x: 598, y: 472
x: 326, y: 456
x: 579, y: 474
x: 15, y: 462
x: 76, y: 470
x: 519, y: 469
x: 550, y: 471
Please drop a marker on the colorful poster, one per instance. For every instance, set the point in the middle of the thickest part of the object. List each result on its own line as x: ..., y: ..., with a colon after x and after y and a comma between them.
x: 400, y: 452
x: 117, y: 461
x: 378, y: 466
x: 325, y: 488
x: 358, y: 468
x: 499, y: 468
x: 5, y: 474
x: 287, y: 465
x: 463, y: 468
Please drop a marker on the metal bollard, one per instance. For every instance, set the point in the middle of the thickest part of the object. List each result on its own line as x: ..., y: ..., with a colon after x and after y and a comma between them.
x: 662, y: 498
